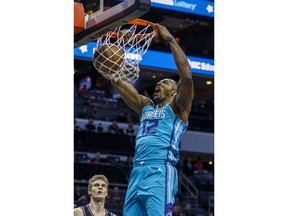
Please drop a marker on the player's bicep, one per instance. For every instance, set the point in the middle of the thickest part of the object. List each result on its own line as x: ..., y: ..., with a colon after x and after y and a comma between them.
x: 184, y: 95
x: 136, y: 102
x: 131, y: 96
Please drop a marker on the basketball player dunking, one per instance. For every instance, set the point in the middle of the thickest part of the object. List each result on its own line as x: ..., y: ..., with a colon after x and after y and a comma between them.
x: 153, y: 181
x: 98, y: 191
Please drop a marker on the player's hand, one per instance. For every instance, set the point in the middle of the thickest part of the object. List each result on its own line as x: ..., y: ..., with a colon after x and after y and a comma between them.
x: 162, y: 30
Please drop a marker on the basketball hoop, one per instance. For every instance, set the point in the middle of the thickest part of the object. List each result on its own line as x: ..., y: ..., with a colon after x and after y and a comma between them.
x: 134, y: 38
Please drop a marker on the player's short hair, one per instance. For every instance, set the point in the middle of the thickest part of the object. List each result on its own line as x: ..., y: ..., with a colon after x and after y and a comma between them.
x: 96, y: 177
x: 170, y: 80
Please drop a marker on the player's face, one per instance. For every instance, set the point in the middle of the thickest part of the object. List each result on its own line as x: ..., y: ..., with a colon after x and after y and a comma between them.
x: 163, y: 90
x: 98, y: 189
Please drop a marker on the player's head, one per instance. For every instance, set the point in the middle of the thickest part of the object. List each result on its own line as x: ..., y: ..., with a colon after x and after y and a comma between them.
x: 98, y: 187
x: 164, y: 90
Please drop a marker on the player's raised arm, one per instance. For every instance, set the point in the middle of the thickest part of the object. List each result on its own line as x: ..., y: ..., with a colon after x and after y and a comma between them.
x: 182, y: 101
x: 131, y: 96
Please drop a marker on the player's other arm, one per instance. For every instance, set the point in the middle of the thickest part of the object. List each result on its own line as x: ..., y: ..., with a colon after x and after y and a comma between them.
x: 78, y: 212
x: 185, y: 88
x: 131, y: 96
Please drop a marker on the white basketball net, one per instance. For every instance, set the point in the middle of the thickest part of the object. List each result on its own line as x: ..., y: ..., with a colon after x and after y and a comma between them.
x: 134, y: 41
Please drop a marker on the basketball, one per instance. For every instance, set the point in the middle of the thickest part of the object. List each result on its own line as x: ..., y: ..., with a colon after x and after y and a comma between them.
x: 108, y: 59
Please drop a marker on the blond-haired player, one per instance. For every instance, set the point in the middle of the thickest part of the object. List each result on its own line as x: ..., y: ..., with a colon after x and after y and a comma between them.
x: 98, y: 191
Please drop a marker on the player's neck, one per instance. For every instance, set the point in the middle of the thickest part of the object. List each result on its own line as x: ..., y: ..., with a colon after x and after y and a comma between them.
x: 97, y: 207
x: 162, y: 103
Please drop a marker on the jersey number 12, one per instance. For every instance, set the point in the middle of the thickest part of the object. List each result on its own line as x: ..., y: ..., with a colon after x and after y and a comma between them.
x: 148, y: 127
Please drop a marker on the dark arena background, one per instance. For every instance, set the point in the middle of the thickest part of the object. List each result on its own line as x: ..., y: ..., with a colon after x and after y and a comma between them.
x: 105, y: 128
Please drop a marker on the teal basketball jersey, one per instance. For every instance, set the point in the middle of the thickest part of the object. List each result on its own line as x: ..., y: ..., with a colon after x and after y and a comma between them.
x: 159, y: 135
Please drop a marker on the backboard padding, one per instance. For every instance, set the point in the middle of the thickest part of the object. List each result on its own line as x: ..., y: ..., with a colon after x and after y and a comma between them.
x: 110, y: 19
